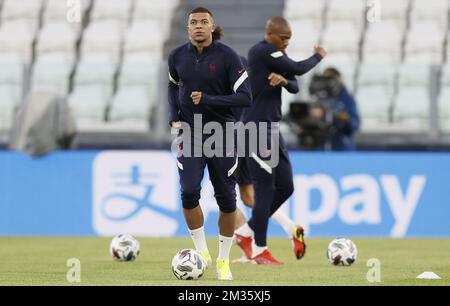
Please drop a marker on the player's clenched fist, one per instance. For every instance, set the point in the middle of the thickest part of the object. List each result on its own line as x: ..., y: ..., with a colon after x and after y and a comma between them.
x: 320, y: 50
x: 196, y: 96
x: 277, y: 80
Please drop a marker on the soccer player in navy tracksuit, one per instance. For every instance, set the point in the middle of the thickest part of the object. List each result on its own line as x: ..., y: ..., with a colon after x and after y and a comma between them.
x: 244, y: 180
x: 207, y: 78
x: 273, y: 184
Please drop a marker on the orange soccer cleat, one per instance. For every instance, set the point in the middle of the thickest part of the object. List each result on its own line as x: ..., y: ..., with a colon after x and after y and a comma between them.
x: 265, y: 258
x: 298, y: 242
x: 245, y: 243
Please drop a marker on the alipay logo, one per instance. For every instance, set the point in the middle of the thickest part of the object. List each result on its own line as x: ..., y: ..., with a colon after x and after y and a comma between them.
x: 135, y: 193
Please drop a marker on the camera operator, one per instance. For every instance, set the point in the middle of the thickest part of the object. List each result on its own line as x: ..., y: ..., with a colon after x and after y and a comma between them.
x: 336, y: 106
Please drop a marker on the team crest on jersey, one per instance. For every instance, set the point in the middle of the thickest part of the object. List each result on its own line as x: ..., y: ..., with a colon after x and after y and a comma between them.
x: 212, y: 68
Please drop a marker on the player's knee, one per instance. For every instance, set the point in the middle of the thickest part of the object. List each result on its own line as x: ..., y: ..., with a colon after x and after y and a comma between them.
x: 227, y: 204
x: 190, y: 200
x: 228, y: 207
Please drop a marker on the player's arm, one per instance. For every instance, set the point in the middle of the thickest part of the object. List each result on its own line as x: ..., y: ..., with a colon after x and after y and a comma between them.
x: 292, y: 85
x: 238, y: 77
x: 173, y: 92
x: 279, y: 61
x: 289, y: 82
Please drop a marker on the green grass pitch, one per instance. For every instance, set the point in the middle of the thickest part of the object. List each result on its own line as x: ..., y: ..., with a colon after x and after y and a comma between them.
x: 43, y: 261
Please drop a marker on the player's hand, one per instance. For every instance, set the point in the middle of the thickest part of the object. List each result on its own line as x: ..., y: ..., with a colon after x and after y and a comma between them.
x: 277, y: 80
x: 176, y: 124
x: 196, y: 97
x: 343, y: 116
x: 320, y: 50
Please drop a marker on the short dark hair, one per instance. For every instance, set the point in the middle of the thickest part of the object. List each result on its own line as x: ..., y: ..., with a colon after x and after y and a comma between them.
x: 333, y: 71
x: 201, y: 10
x: 218, y: 31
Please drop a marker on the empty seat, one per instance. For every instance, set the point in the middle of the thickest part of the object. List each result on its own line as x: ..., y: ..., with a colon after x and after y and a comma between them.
x: 103, y: 36
x: 385, y: 39
x: 111, y: 9
x: 131, y: 103
x: 12, y: 69
x: 58, y: 36
x: 350, y: 10
x: 23, y: 9
x: 412, y: 107
x: 51, y: 73
x: 140, y: 69
x: 412, y: 104
x: 89, y: 104
x: 145, y: 9
x: 305, y: 34
x: 57, y: 10
x: 372, y: 74
x: 96, y: 69
x: 446, y: 75
x: 396, y: 10
x: 160, y: 11
x: 423, y: 58
x: 374, y: 103
x: 444, y: 108
x: 9, y: 99
x: 420, y: 40
x: 435, y: 10
x: 20, y: 42
x: 414, y: 74
x: 302, y: 10
x: 144, y: 36
x: 342, y: 37
x: 444, y: 99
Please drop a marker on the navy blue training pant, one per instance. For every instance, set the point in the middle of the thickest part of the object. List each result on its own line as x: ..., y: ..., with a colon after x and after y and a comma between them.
x: 273, y: 187
x: 221, y: 173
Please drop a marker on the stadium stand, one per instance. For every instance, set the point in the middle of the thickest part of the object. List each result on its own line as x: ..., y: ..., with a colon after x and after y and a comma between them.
x: 111, y: 64
x: 113, y: 54
x: 387, y: 64
x: 444, y: 99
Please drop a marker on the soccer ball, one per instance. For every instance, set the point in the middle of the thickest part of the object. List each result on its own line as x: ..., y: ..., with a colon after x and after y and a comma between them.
x: 342, y: 251
x: 124, y: 248
x: 188, y: 264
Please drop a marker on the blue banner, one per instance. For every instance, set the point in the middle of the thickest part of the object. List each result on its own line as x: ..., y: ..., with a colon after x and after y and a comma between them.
x: 137, y: 192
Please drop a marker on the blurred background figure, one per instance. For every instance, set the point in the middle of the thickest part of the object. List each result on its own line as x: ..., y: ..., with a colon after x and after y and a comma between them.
x: 330, y: 120
x: 346, y: 119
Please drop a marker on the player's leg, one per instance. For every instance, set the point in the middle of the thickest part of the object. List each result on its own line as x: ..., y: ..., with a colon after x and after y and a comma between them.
x: 284, y: 189
x: 264, y: 190
x: 221, y: 171
x: 243, y: 233
x: 240, y: 219
x: 247, y: 194
x: 246, y: 190
x: 284, y: 179
x: 191, y: 170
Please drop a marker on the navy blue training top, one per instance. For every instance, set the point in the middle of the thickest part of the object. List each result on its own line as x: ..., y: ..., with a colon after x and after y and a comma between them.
x: 263, y: 59
x: 239, y: 110
x: 217, y: 72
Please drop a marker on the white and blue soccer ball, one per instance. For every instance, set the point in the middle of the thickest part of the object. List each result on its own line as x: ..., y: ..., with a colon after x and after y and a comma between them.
x: 124, y: 248
x: 188, y: 264
x: 342, y: 252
